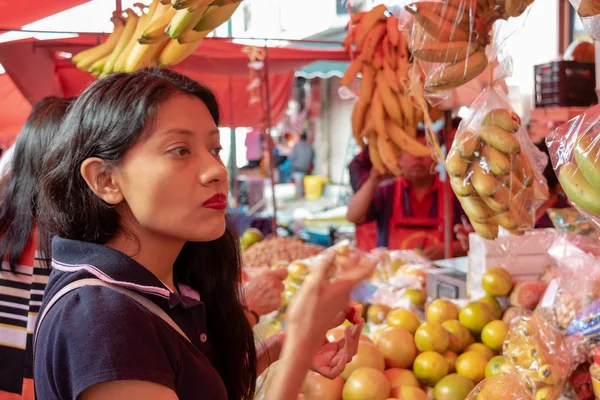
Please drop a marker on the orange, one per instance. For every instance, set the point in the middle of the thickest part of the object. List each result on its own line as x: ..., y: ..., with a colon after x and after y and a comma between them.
x: 297, y: 271
x: 482, y: 349
x: 493, y: 304
x: 497, y: 282
x: 367, y: 356
x: 453, y: 387
x: 336, y: 334
x: 377, y: 313
x: 441, y: 310
x: 494, y: 366
x: 416, y: 296
x: 475, y: 316
x: 459, y: 335
x: 493, y: 334
x: 397, y: 347
x: 287, y: 294
x: 402, y: 318
x: 472, y: 365
x: 411, y: 393
x: 429, y: 367
x: 366, y: 383
x: 317, y: 387
x: 450, y: 358
x: 432, y: 336
x: 398, y: 377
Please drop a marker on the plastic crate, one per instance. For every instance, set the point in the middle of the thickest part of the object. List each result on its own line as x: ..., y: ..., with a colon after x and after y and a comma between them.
x: 565, y: 84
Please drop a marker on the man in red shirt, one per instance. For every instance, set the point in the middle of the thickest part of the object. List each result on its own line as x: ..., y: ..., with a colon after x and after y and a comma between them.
x: 408, y: 211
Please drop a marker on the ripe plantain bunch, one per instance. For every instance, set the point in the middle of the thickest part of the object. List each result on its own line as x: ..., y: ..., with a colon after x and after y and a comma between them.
x: 539, y: 355
x: 383, y: 113
x: 164, y: 33
x: 493, y: 180
x: 588, y: 8
x: 580, y: 178
x: 455, y: 33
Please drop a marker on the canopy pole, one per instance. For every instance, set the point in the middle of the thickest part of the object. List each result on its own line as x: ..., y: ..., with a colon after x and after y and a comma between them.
x: 233, y: 184
x: 447, y: 193
x: 118, y: 6
x: 270, y: 138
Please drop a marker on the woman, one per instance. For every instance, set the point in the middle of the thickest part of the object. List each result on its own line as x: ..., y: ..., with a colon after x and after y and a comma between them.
x: 134, y: 189
x: 23, y: 272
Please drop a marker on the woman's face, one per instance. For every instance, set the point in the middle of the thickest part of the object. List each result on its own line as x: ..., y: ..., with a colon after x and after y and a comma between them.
x: 173, y: 181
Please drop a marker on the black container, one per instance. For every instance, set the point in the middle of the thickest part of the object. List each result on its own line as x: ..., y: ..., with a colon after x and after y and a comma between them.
x: 565, y: 84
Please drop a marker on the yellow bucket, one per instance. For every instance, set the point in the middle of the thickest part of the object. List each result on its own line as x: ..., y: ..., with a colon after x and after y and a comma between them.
x: 313, y: 187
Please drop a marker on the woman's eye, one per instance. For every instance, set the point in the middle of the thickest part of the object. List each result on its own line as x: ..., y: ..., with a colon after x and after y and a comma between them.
x: 181, y: 151
x: 217, y: 151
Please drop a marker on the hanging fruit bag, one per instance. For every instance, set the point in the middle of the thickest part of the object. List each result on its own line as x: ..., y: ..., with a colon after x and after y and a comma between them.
x: 494, y: 168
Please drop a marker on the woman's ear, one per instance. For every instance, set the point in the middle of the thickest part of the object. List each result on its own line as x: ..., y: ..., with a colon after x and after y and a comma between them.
x: 101, y: 180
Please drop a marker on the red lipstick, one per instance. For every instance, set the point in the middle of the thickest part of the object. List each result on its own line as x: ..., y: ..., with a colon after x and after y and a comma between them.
x: 217, y: 202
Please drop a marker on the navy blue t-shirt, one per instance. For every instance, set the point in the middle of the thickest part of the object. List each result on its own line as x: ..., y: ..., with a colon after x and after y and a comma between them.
x: 95, y: 334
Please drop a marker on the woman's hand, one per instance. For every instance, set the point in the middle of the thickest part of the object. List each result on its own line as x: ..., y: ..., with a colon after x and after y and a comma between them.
x: 331, y: 358
x: 263, y: 292
x: 462, y: 233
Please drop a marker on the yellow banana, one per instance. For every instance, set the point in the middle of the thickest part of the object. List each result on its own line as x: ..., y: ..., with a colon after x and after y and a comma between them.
x: 130, y: 26
x: 442, y: 52
x: 389, y: 52
x: 485, y: 183
x: 358, y: 119
x: 193, y: 36
x: 378, y: 113
x: 407, y: 113
x: 392, y: 30
x: 174, y: 52
x: 377, y: 61
x: 183, y: 4
x: 513, y: 8
x: 144, y: 55
x: 367, y: 22
x: 522, y: 169
x: 505, y: 220
x: 367, y: 83
x: 155, y: 31
x: 456, y: 15
x: 499, y: 139
x: 499, y: 201
x: 349, y: 41
x: 388, y: 154
x: 438, y: 27
x: 578, y: 188
x: 457, y: 74
x: 350, y: 74
x: 184, y: 21
x: 467, y: 144
x: 503, y: 118
x: 515, y: 184
x: 86, y: 58
x: 374, y: 152
x: 389, y: 100
x: 486, y: 231
x: 402, y: 75
x: 141, y: 24
x: 455, y: 164
x: 390, y: 76
x: 98, y: 66
x: 476, y: 209
x: 215, y: 16
x: 587, y: 156
x: 356, y: 17
x: 372, y: 40
x: 461, y: 186
x: 495, y: 161
x: 405, y: 142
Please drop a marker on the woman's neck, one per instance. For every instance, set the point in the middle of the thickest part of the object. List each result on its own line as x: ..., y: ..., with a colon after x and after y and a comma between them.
x: 156, y: 254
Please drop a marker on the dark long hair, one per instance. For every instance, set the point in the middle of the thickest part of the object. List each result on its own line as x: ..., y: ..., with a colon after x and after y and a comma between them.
x: 110, y: 117
x: 20, y: 188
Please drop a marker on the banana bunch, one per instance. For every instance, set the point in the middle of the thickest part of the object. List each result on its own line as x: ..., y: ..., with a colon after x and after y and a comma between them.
x: 539, y: 355
x: 580, y: 178
x: 588, y: 8
x: 384, y: 113
x: 164, y: 33
x: 455, y: 33
x: 493, y: 180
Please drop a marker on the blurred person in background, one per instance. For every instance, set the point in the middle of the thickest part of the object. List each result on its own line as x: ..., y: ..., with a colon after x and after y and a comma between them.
x: 301, y: 159
x: 24, y: 250
x: 409, y: 210
x: 556, y: 196
x: 254, y: 147
x: 359, y: 170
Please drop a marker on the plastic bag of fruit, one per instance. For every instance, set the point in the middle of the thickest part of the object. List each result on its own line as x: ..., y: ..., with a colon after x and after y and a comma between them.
x: 449, y: 38
x: 542, y: 357
x: 574, y: 149
x: 589, y: 12
x: 576, y: 284
x: 505, y: 387
x: 495, y: 169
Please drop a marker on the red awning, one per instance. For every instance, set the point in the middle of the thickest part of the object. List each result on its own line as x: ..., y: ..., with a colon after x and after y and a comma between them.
x: 14, y: 109
x: 38, y: 72
x: 15, y: 14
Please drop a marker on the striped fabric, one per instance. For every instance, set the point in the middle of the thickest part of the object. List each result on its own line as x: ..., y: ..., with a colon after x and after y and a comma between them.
x: 20, y: 301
